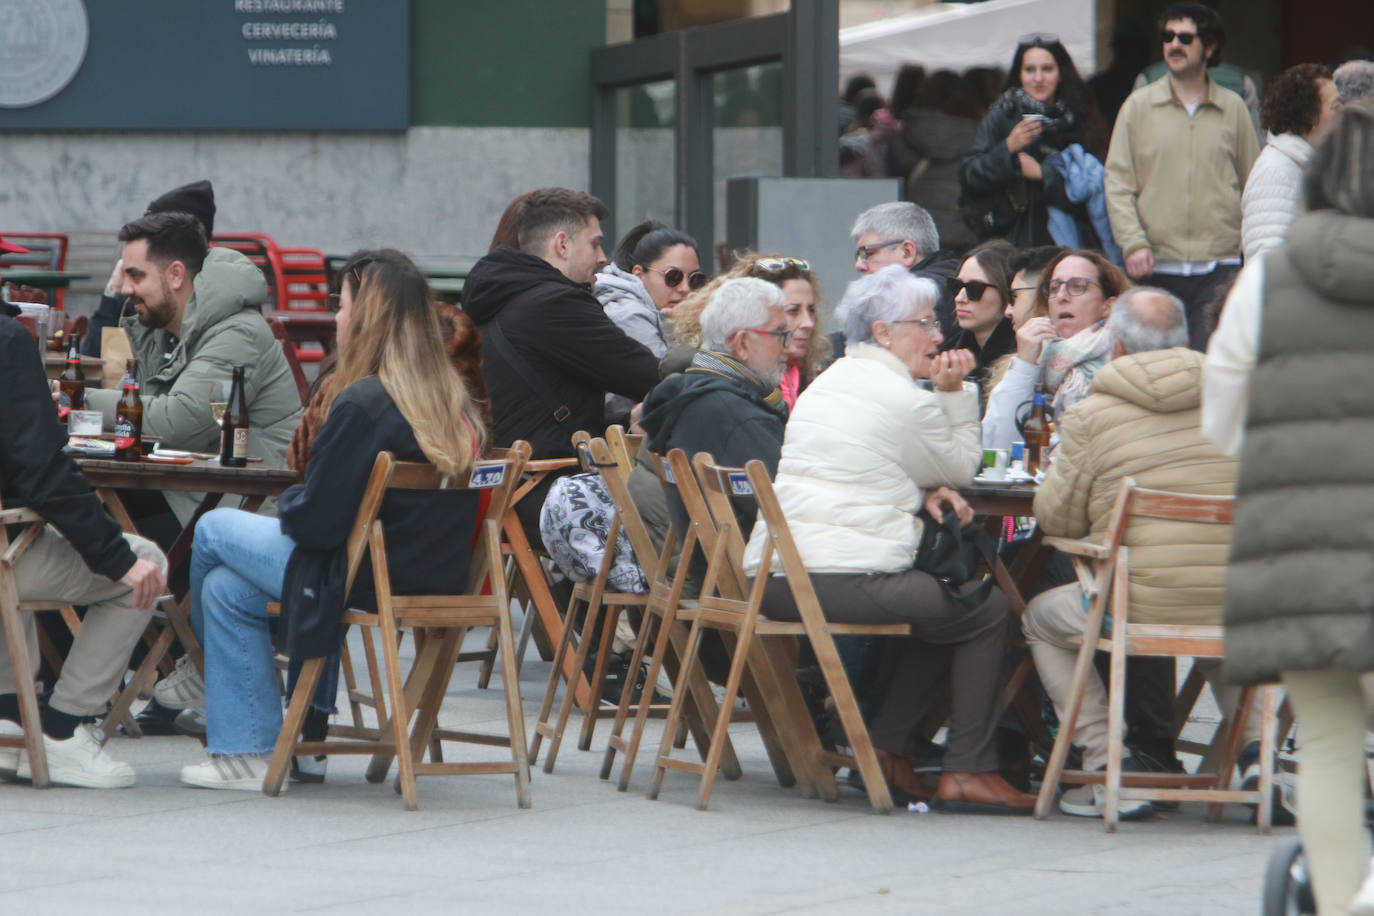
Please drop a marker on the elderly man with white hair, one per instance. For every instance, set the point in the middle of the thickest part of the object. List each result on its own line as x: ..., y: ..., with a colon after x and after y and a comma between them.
x: 866, y: 448
x: 1355, y: 81
x: 1142, y: 420
x: 727, y: 402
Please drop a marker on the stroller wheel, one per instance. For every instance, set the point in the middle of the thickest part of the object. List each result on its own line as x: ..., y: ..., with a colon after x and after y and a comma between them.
x: 1287, y: 885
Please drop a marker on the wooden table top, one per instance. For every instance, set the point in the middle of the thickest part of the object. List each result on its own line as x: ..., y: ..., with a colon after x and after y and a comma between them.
x: 202, y: 475
x: 54, y: 361
x: 1000, y: 497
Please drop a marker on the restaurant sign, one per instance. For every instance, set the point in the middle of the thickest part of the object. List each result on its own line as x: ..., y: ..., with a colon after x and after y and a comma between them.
x: 207, y: 65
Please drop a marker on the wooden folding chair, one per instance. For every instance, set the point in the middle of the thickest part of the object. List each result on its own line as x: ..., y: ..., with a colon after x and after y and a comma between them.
x: 444, y: 618
x: 730, y: 604
x: 10, y: 609
x: 661, y: 629
x: 1104, y: 571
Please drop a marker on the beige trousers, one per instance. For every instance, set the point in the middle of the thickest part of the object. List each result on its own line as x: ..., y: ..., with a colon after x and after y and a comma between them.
x: 1331, y: 712
x: 52, y: 570
x: 1056, y: 616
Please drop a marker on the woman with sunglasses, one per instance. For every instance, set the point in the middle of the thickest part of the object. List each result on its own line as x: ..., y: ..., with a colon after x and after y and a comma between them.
x: 1008, y: 190
x: 1063, y: 346
x: 653, y: 268
x: 982, y: 293
x: 394, y: 390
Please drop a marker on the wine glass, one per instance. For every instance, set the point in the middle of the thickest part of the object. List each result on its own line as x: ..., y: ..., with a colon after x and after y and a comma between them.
x: 219, y: 400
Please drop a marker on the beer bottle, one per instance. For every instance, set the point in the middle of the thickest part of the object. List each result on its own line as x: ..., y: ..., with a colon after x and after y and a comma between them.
x: 1036, y: 432
x: 233, y: 437
x: 128, y: 435
x: 71, y: 384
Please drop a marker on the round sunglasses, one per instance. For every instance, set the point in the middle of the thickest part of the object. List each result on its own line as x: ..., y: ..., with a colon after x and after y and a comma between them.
x: 673, y: 277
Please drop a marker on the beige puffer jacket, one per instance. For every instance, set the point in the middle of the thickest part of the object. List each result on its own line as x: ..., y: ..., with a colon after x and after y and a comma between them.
x: 1143, y: 421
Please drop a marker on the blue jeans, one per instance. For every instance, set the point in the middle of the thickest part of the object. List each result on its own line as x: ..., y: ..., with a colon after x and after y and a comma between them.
x: 238, y: 563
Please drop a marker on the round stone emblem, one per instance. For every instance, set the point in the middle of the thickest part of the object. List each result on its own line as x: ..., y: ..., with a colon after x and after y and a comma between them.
x: 42, y: 45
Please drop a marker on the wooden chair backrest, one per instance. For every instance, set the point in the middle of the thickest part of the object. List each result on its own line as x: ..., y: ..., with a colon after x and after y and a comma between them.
x: 718, y: 483
x: 498, y: 472
x: 616, y: 475
x: 1179, y: 507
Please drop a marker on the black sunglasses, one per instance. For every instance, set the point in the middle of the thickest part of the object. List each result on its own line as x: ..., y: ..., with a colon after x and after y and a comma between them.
x: 673, y: 277
x: 355, y: 273
x: 1184, y: 38
x: 975, y: 288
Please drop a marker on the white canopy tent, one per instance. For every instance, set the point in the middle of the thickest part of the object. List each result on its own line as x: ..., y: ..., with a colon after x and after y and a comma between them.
x: 957, y: 36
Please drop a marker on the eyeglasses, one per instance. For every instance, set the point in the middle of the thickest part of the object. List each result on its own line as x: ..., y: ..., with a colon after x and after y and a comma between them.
x: 975, y: 288
x: 864, y: 252
x: 784, y: 336
x: 1184, y: 38
x: 928, y: 323
x: 673, y: 277
x: 778, y: 265
x: 355, y: 273
x: 1038, y: 38
x: 1024, y: 289
x: 1077, y: 285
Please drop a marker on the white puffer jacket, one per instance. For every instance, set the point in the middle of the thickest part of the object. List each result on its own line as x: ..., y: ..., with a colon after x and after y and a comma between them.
x: 1272, y: 193
x: 862, y: 446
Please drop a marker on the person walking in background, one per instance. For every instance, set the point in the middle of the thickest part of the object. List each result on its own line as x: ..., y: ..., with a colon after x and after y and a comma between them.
x: 1179, y: 158
x: 1301, y: 105
x: 1290, y: 388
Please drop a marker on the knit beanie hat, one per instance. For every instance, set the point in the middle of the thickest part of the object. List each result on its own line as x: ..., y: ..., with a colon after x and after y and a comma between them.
x: 196, y: 198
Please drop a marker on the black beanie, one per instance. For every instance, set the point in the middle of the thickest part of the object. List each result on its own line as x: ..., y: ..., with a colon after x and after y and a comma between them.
x: 196, y: 198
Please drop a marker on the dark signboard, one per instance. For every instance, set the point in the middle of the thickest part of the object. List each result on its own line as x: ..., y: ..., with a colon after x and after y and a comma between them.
x: 205, y: 64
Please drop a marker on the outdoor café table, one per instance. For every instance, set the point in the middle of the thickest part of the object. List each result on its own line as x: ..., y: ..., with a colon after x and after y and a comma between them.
x: 41, y: 279
x: 253, y: 484
x: 55, y: 361
x: 304, y: 325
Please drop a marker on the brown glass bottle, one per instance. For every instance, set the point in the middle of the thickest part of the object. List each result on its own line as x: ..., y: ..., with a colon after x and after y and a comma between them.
x: 71, y: 384
x: 233, y: 436
x: 128, y: 435
x: 1036, y: 432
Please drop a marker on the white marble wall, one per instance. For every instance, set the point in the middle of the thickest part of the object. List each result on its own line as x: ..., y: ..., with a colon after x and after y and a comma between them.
x: 435, y: 192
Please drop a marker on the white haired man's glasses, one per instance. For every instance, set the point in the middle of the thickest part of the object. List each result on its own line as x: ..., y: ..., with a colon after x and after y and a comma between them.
x: 784, y: 336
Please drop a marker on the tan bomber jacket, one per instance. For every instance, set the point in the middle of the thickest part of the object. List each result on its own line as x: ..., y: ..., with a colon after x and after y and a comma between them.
x: 1174, y: 183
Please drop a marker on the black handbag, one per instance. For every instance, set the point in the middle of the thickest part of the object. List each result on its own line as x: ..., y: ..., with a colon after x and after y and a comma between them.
x: 952, y: 553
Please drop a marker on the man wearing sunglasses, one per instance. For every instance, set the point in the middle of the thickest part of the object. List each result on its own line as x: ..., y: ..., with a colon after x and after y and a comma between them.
x: 904, y: 233
x: 1180, y: 154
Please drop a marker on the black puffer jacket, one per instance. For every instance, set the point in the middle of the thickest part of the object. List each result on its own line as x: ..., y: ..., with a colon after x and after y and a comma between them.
x: 35, y: 472
x: 565, y: 339
x: 990, y: 170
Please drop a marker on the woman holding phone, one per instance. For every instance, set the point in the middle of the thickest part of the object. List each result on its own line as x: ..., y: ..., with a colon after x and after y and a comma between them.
x: 1046, y: 107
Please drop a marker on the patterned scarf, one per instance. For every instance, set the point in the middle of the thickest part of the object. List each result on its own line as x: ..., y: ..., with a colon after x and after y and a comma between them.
x: 1067, y: 365
x: 710, y: 362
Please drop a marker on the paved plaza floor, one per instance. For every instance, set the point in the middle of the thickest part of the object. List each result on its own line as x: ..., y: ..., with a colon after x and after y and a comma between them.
x: 348, y: 846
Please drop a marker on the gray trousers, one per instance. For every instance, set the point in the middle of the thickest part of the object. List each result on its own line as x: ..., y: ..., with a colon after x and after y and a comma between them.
x: 952, y: 644
x: 52, y: 570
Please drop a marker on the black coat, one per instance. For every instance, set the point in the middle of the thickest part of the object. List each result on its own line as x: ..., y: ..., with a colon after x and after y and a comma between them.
x: 990, y: 170
x: 563, y: 336
x: 428, y: 534
x: 36, y: 473
x: 940, y: 267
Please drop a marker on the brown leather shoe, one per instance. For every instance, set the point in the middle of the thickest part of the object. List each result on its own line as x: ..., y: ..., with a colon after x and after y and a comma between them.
x: 902, y: 779
x: 981, y: 793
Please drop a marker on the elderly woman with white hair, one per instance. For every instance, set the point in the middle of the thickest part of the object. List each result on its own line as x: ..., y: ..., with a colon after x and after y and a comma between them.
x: 866, y: 447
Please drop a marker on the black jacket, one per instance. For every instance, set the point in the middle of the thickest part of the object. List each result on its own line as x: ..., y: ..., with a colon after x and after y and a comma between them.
x: 940, y: 267
x: 35, y: 472
x: 565, y: 339
x: 1000, y: 342
x: 702, y: 412
x: 990, y: 170
x: 428, y: 534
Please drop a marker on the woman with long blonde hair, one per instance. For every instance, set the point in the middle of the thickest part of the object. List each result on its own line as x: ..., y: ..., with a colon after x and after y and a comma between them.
x: 394, y: 390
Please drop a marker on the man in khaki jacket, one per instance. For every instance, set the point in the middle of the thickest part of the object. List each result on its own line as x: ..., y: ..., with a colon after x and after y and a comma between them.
x: 1143, y: 420
x: 1181, y: 151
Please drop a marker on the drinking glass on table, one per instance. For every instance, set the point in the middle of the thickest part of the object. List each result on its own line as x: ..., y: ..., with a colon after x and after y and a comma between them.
x: 219, y: 400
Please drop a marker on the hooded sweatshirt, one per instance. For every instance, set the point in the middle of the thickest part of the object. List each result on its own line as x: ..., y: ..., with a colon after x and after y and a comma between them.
x: 562, y: 338
x: 1143, y: 420
x: 221, y: 327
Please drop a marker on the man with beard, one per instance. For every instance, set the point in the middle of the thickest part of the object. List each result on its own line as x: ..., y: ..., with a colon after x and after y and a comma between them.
x: 1179, y: 157
x: 195, y: 318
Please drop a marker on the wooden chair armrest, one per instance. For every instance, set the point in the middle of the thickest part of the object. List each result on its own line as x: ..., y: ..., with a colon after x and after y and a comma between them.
x: 18, y: 516
x: 1078, y: 548
x: 549, y: 464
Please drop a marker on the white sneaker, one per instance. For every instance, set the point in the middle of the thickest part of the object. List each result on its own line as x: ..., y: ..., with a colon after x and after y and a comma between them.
x: 244, y: 772
x: 81, y: 761
x: 309, y: 768
x: 1091, y: 801
x: 181, y: 689
x: 9, y: 756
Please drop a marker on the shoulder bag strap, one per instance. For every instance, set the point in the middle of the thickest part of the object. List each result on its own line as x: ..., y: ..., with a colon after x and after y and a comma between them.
x: 492, y: 332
